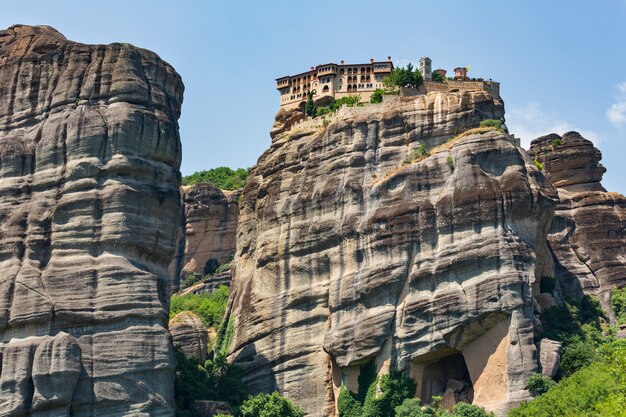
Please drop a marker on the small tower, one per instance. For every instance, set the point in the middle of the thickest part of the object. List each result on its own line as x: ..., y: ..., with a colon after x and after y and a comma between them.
x: 426, y: 67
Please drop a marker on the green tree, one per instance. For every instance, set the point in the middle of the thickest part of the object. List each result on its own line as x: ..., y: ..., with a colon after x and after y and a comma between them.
x: 269, y: 405
x: 469, y: 410
x: 438, y: 77
x: 404, y: 77
x: 410, y: 407
x: 309, y: 109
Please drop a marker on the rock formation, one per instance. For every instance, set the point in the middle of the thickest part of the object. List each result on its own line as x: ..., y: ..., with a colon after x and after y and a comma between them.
x: 190, y: 335
x: 345, y: 255
x: 89, y: 158
x: 208, y: 229
x: 588, y: 234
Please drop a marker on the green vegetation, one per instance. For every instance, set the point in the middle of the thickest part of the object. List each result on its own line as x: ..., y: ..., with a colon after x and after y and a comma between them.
x: 539, y: 165
x: 210, y: 307
x: 556, y: 143
x: 190, y: 280
x: 348, y: 101
x: 210, y: 269
x: 404, y: 77
x: 618, y: 303
x: 269, y: 405
x: 377, y: 96
x: 416, y: 154
x: 223, y: 178
x: 309, y: 109
x: 213, y: 380
x: 438, y: 77
x: 377, y: 396
x: 411, y: 408
x: 450, y: 163
x: 322, y: 111
x: 496, y: 123
x: 539, y: 384
x: 578, y: 325
x: 224, y: 337
x: 598, y: 389
x: 593, y: 366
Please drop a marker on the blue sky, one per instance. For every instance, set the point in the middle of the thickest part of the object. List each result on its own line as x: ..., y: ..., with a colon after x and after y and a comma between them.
x: 561, y: 64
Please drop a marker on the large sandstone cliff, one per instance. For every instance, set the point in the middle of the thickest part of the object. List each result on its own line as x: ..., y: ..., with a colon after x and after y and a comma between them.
x: 588, y: 234
x: 89, y: 158
x: 206, y: 237
x: 345, y: 255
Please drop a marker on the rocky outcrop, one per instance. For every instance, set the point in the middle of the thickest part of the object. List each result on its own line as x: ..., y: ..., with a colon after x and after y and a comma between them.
x: 208, y: 284
x: 588, y: 234
x: 89, y: 158
x: 207, y: 234
x: 345, y: 255
x: 190, y: 335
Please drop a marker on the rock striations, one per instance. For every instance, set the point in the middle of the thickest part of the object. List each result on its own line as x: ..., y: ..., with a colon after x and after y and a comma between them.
x: 346, y: 255
x: 588, y: 234
x: 208, y: 230
x: 89, y: 158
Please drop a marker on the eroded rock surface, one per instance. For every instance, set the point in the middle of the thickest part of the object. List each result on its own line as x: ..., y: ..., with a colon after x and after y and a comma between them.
x: 190, y: 335
x: 588, y: 234
x: 345, y: 255
x: 207, y: 236
x: 89, y: 158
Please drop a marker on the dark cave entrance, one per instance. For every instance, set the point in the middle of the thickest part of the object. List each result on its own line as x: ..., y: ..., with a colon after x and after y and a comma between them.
x: 448, y: 378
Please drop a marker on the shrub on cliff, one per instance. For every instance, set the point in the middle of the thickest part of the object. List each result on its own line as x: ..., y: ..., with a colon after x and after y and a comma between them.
x: 618, y: 303
x: 377, y: 96
x: 269, y: 405
x: 539, y: 384
x: 210, y: 307
x: 491, y: 123
x: 223, y: 178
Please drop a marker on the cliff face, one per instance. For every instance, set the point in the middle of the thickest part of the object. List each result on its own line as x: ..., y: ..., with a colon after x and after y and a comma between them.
x: 207, y: 234
x: 345, y: 255
x: 588, y: 234
x: 89, y: 158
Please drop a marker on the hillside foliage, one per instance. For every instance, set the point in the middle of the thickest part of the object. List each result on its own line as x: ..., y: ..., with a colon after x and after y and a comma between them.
x: 210, y: 307
x: 223, y: 178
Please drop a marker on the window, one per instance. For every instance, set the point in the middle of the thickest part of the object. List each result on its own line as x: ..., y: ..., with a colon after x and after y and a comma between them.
x: 325, y: 89
x: 341, y: 71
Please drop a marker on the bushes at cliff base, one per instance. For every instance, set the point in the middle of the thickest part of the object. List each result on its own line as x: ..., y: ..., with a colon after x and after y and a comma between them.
x: 269, y: 405
x: 599, y: 389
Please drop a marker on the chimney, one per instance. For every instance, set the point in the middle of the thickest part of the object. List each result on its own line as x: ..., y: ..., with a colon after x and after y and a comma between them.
x: 388, y: 58
x: 312, y: 68
x: 372, y: 60
x: 342, y: 62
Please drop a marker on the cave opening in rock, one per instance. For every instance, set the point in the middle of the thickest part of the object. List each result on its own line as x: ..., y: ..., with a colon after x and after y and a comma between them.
x: 447, y: 377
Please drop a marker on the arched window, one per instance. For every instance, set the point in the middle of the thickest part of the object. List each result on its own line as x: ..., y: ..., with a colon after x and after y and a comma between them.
x: 362, y: 70
x: 349, y: 87
x: 341, y: 71
x: 362, y: 78
x: 325, y: 89
x: 368, y: 70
